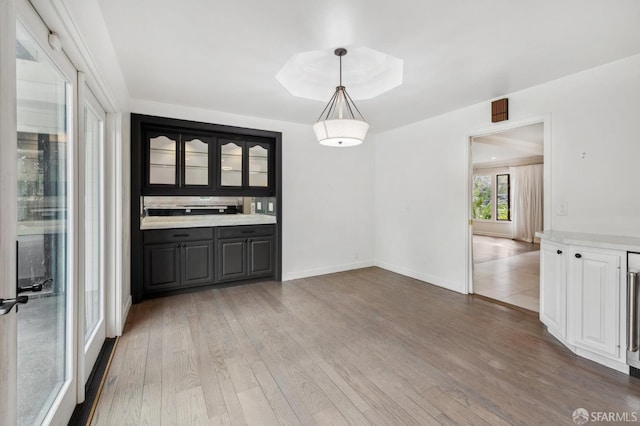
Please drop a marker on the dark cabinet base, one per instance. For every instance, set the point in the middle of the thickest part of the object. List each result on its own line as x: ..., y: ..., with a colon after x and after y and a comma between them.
x: 244, y: 252
x: 179, y: 259
x: 172, y: 260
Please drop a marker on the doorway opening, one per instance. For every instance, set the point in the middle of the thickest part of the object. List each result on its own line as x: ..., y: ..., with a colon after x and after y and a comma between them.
x: 507, y: 193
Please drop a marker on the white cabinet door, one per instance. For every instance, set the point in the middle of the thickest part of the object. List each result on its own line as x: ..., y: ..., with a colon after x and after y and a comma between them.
x: 553, y: 288
x: 594, y: 301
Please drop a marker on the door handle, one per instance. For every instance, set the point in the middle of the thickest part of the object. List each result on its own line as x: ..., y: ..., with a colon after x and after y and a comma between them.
x: 37, y: 286
x: 7, y: 304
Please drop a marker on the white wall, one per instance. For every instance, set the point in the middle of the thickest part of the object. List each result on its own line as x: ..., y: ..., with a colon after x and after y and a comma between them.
x: 327, y: 211
x: 502, y: 229
x: 423, y: 168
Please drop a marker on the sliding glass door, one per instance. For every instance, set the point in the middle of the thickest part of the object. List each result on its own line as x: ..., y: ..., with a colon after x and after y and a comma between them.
x: 52, y: 183
x: 45, y: 93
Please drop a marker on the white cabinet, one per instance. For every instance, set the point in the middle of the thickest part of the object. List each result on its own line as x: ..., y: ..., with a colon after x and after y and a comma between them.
x: 581, y: 300
x: 553, y: 288
x: 594, y: 300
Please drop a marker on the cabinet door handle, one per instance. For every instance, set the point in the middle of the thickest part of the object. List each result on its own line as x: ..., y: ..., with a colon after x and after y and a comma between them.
x: 180, y: 235
x: 578, y: 255
x: 559, y: 251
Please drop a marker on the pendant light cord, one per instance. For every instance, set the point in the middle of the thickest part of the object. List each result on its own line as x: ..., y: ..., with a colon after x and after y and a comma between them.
x: 340, y: 69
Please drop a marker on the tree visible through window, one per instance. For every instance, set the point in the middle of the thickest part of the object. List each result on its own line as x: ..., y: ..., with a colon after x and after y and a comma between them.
x: 502, y: 197
x: 482, y: 187
x: 491, y: 197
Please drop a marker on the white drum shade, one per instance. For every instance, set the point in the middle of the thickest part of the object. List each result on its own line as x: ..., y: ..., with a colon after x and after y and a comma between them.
x: 341, y: 132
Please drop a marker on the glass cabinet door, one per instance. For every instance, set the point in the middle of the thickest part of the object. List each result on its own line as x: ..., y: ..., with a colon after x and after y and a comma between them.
x: 231, y: 164
x: 196, y: 161
x: 258, y: 166
x: 163, y: 159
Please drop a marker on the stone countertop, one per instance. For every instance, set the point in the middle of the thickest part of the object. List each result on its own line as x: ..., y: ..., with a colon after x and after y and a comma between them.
x: 41, y: 227
x: 612, y: 242
x: 197, y: 221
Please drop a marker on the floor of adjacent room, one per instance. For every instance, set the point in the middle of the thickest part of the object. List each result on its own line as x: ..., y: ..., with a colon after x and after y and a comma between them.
x: 507, y: 271
x: 360, y: 347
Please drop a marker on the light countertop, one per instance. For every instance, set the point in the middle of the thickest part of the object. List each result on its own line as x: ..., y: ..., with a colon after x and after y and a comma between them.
x: 196, y: 221
x: 41, y: 227
x: 612, y: 242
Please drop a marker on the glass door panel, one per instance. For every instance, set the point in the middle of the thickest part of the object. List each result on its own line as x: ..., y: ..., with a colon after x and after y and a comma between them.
x: 196, y: 161
x: 258, y: 166
x: 230, y: 164
x: 162, y: 160
x: 91, y: 152
x: 43, y: 111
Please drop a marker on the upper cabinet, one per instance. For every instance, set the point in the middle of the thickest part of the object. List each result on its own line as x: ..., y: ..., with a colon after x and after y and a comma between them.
x: 245, y: 165
x: 177, y: 162
x: 178, y: 157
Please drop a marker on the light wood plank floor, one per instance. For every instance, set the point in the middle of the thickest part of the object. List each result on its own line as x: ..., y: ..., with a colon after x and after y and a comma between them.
x: 359, y: 347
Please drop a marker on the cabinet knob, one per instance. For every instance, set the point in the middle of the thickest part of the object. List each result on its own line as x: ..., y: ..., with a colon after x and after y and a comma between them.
x: 184, y: 245
x: 177, y: 245
x: 559, y: 251
x: 578, y: 255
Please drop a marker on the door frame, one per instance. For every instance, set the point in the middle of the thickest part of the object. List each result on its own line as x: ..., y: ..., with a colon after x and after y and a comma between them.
x: 54, y: 14
x: 86, y: 98
x: 545, y: 119
x: 8, y: 214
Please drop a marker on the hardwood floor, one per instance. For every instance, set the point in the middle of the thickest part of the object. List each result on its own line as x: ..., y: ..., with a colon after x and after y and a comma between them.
x: 360, y: 347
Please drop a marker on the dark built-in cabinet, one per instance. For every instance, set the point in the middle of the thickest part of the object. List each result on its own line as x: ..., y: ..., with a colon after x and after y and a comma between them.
x: 245, y: 165
x: 188, y: 162
x: 244, y: 252
x: 180, y: 157
x: 188, y: 257
x: 177, y: 258
x: 177, y: 161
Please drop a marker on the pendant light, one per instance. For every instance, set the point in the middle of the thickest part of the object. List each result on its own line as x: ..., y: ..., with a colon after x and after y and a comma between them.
x: 340, y: 123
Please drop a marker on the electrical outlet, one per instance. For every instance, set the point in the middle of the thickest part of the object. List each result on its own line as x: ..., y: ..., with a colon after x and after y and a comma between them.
x: 270, y: 207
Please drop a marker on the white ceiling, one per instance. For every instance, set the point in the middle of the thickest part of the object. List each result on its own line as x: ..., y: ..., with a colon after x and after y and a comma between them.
x: 509, y: 145
x: 224, y: 55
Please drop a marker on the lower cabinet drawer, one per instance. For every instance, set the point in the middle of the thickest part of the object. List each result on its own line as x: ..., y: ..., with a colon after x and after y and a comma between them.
x: 159, y: 236
x: 245, y: 231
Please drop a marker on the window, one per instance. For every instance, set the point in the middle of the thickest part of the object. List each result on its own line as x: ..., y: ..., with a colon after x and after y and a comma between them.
x: 482, y: 195
x: 503, y: 202
x: 491, y: 197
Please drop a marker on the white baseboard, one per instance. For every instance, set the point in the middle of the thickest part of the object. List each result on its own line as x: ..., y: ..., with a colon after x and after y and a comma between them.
x: 329, y: 270
x: 607, y: 362
x: 430, y: 279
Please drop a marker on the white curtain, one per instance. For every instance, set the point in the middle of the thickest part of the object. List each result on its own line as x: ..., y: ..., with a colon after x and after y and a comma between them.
x: 526, y: 185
